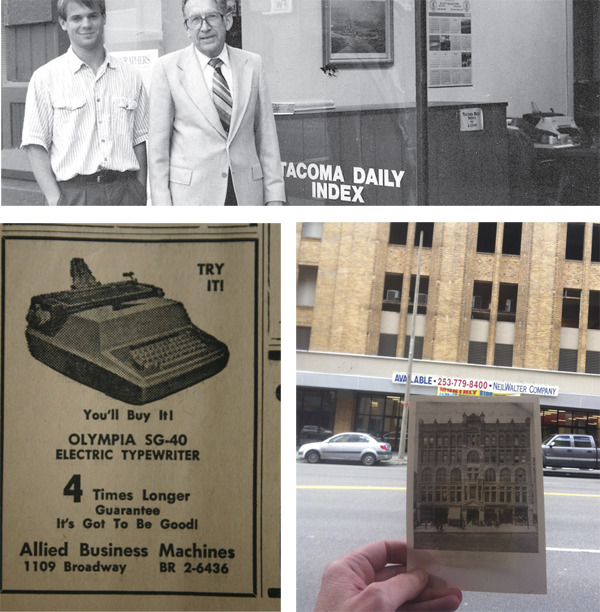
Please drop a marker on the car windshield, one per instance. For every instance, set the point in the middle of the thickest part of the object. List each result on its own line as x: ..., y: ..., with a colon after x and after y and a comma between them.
x: 546, y: 440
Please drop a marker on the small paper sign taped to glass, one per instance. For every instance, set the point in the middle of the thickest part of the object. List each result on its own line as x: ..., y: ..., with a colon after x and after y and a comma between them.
x: 471, y: 119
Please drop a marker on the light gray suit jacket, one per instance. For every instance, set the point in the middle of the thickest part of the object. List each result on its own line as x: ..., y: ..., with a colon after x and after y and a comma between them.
x: 189, y: 152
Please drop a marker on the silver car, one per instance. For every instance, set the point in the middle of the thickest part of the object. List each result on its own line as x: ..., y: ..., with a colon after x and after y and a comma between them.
x: 348, y: 446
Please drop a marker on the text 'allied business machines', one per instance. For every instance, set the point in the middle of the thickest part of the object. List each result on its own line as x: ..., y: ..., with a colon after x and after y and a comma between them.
x: 123, y: 338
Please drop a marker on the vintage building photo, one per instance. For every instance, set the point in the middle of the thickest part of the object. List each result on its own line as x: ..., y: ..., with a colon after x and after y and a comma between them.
x: 474, y: 480
x: 475, y: 492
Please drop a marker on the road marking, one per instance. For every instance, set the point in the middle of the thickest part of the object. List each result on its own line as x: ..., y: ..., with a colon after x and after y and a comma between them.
x: 347, y: 488
x: 572, y: 494
x: 579, y: 550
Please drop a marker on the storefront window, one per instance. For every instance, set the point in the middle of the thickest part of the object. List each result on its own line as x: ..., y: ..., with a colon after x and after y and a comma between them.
x: 315, y: 414
x: 570, y: 422
x: 134, y: 32
x: 380, y: 416
x: 341, y: 75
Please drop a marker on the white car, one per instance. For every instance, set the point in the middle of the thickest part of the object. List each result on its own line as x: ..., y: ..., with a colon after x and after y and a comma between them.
x: 349, y: 446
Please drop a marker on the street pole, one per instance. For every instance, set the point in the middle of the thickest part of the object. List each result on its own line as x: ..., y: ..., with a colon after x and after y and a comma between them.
x: 411, y: 350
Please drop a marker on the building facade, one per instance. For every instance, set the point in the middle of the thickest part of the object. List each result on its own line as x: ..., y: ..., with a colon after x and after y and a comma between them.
x: 473, y: 472
x: 511, y: 302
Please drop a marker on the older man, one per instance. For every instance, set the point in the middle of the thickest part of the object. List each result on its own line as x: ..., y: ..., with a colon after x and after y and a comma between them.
x: 86, y: 121
x: 213, y: 140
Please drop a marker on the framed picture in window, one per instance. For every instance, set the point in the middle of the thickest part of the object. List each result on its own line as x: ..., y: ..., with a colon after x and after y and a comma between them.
x: 358, y: 33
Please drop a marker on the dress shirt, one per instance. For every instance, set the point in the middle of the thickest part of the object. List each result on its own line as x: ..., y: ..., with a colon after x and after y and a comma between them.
x: 87, y: 122
x: 208, y: 71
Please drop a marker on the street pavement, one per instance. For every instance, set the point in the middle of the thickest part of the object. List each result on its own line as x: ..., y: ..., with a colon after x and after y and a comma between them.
x: 340, y: 507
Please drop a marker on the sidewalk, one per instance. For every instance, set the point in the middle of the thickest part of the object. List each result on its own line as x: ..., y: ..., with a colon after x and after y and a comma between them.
x: 19, y: 187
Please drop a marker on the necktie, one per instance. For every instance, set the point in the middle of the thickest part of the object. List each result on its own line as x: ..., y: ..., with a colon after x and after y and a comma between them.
x: 221, y: 94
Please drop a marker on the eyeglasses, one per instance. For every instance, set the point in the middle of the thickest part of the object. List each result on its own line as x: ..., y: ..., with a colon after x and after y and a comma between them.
x: 197, y: 21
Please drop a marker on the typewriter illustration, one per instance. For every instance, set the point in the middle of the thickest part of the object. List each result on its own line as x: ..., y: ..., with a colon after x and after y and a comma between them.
x: 123, y: 338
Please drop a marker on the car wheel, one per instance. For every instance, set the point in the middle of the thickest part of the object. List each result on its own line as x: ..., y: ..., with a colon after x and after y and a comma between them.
x: 312, y: 457
x: 369, y: 459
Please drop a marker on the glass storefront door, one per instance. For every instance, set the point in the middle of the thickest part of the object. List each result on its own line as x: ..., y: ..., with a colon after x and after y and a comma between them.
x: 380, y: 416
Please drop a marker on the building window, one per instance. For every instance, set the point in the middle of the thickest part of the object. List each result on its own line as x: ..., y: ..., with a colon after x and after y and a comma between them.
x: 567, y: 360
x: 312, y: 230
x: 511, y: 241
x: 302, y: 338
x: 427, y: 229
x: 592, y: 362
x: 387, y: 345
x: 381, y: 416
x: 505, y: 475
x: 507, y: 302
x: 570, y: 308
x: 486, y: 237
x: 315, y: 414
x: 503, y: 355
x: 575, y: 240
x: 477, y: 352
x: 133, y: 24
x: 481, y: 302
x: 422, y: 297
x: 596, y: 242
x: 569, y: 422
x: 398, y: 233
x: 418, y: 348
x: 392, y: 292
x: 490, y: 475
x: 307, y: 285
x: 594, y: 310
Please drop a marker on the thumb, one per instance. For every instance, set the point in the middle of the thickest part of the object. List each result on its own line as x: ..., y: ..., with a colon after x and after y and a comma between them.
x: 391, y: 594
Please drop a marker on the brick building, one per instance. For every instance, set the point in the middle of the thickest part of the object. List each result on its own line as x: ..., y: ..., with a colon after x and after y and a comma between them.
x: 516, y: 304
x: 474, y: 472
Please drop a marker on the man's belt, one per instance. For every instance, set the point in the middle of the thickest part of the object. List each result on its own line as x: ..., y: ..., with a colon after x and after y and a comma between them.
x: 104, y: 176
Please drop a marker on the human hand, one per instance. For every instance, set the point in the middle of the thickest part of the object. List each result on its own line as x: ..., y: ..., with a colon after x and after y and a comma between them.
x: 363, y: 581
x: 54, y: 199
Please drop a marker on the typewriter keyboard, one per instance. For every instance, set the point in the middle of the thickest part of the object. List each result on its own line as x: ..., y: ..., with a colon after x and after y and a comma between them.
x: 168, y: 352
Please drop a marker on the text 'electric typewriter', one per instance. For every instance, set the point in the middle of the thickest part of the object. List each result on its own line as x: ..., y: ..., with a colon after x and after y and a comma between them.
x: 124, y: 338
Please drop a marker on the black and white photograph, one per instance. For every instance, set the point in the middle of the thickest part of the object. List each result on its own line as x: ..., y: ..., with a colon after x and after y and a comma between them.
x: 475, y: 488
x: 327, y: 103
x: 357, y: 32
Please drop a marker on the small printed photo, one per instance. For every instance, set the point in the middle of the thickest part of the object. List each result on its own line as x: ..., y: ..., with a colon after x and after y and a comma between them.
x: 434, y: 43
x: 475, y: 479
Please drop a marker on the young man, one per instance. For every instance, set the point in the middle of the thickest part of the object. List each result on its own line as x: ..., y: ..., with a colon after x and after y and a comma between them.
x: 213, y: 140
x: 86, y: 124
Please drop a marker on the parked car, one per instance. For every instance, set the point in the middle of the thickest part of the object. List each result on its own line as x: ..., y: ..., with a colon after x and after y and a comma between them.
x: 349, y: 446
x: 570, y: 451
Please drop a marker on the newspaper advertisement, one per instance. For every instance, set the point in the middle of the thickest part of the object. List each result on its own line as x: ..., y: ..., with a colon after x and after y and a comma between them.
x: 449, y: 33
x: 141, y: 417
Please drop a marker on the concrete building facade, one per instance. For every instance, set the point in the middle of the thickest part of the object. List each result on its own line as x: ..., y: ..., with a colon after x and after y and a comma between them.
x: 510, y: 302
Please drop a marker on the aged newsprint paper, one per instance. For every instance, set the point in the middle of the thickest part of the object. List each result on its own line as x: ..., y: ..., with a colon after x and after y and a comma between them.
x: 475, y: 502
x: 140, y: 417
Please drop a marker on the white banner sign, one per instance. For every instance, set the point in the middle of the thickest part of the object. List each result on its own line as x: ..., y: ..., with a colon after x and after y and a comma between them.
x: 491, y: 386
